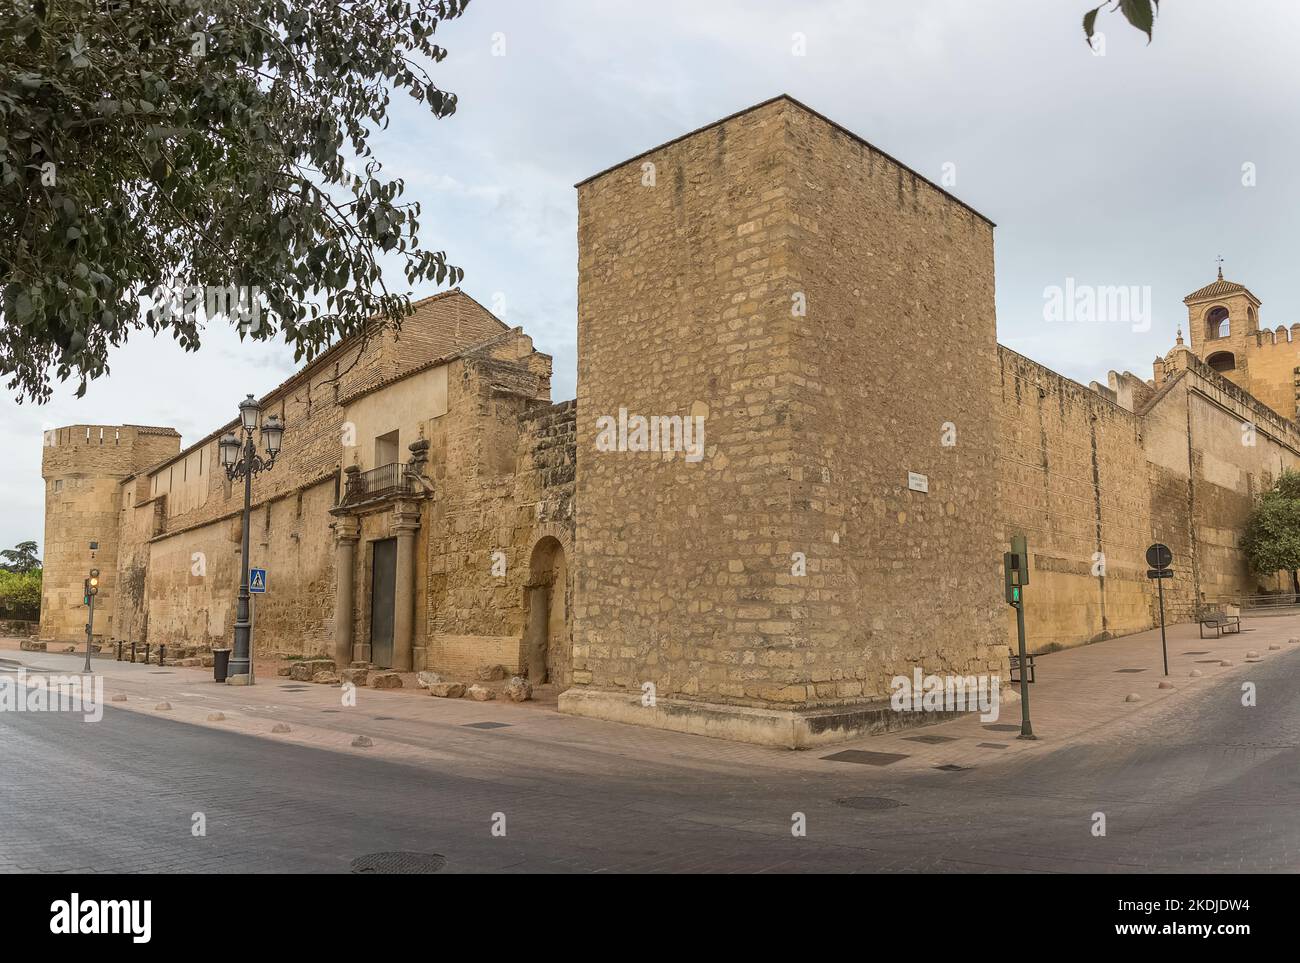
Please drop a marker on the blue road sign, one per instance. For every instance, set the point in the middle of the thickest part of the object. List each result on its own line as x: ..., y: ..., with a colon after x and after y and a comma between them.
x: 257, y: 580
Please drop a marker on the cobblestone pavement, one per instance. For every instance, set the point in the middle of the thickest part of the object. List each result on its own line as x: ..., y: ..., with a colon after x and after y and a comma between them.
x: 1192, y: 782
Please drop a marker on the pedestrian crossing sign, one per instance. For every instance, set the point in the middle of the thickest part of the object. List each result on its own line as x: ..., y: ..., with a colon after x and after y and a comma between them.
x: 257, y: 580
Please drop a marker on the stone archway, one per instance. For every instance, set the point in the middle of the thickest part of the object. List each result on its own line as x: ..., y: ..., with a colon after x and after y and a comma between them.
x: 547, y: 634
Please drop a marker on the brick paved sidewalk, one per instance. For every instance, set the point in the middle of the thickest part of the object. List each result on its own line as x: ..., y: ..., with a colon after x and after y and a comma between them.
x: 1079, y: 696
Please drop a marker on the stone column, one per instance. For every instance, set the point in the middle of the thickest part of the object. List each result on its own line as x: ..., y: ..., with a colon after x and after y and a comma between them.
x: 347, y: 531
x: 406, y: 522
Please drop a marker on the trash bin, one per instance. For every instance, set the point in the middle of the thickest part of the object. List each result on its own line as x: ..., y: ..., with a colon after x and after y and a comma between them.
x: 220, y: 664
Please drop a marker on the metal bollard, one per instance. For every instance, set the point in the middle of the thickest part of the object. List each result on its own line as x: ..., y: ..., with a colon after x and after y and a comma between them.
x: 162, y: 653
x: 133, y: 652
x: 146, y: 653
x: 119, y: 650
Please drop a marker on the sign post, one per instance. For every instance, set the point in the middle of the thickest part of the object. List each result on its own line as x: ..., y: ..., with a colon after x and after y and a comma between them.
x: 1159, y: 558
x: 257, y: 583
x: 1015, y: 564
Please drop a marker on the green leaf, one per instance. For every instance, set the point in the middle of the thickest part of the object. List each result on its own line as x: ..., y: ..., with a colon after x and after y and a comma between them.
x: 1140, y: 13
x: 1090, y: 22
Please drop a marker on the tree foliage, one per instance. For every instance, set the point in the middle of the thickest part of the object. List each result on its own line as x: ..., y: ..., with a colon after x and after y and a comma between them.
x: 21, y: 558
x: 147, y: 144
x: 20, y: 595
x: 1140, y: 13
x: 1272, y: 538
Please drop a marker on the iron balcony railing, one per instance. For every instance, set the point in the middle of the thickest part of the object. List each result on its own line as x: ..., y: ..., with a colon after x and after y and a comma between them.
x: 381, y: 482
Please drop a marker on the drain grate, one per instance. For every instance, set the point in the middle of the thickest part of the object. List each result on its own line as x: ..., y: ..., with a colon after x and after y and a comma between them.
x: 952, y: 767
x: 1199, y: 652
x: 931, y: 740
x: 486, y: 725
x: 865, y: 758
x: 992, y: 745
x: 869, y: 804
x: 407, y: 864
x: 1002, y: 727
x: 1130, y: 670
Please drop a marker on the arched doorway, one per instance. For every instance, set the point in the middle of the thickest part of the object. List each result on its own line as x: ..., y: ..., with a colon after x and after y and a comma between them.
x: 1222, y: 361
x: 547, y: 647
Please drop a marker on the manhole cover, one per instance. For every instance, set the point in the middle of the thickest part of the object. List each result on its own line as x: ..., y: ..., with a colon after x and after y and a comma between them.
x: 870, y: 804
x: 1130, y: 670
x: 1003, y: 727
x: 952, y: 767
x: 383, y: 718
x: 486, y: 725
x: 865, y: 758
x: 408, y: 864
x: 931, y: 740
x: 992, y: 745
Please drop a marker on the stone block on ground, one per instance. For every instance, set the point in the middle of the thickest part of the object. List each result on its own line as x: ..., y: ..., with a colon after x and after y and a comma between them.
x: 386, y: 680
x: 491, y: 673
x: 447, y: 690
x: 326, y: 677
x: 426, y: 679
x: 519, y: 689
x: 480, y: 693
x: 355, y: 676
x: 301, y: 672
x: 28, y: 645
x: 284, y: 671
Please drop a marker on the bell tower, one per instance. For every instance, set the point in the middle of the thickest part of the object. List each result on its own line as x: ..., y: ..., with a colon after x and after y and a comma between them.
x: 1223, y: 318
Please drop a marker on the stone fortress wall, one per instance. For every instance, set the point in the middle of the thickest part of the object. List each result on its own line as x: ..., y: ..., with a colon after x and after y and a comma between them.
x: 168, y: 520
x: 841, y: 522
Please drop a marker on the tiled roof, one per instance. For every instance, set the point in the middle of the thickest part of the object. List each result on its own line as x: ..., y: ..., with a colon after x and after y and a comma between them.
x: 1216, y: 289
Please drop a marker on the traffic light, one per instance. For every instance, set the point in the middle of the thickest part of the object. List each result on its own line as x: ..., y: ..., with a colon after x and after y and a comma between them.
x: 92, y: 583
x: 1020, y: 549
x: 1015, y: 572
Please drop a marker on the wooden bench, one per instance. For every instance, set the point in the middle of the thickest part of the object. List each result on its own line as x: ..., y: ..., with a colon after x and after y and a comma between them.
x: 1220, y: 623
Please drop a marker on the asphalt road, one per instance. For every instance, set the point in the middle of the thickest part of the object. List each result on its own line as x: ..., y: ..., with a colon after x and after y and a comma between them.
x: 1203, y: 785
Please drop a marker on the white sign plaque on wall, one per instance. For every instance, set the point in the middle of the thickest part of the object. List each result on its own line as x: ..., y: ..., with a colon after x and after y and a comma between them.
x: 918, y: 482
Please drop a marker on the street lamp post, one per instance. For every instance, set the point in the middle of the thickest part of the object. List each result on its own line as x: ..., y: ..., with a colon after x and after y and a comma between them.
x: 241, y: 460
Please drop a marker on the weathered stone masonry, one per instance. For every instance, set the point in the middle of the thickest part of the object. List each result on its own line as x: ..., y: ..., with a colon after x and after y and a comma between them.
x: 868, y: 450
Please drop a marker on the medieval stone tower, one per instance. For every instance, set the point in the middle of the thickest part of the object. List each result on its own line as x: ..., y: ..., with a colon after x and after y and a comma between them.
x: 828, y: 315
x: 1223, y: 320
x: 83, y: 467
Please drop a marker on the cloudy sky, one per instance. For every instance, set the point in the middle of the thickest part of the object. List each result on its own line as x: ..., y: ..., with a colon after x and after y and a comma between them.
x: 1122, y: 169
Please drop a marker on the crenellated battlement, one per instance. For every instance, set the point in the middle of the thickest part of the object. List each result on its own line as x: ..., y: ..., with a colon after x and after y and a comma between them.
x: 1281, y: 335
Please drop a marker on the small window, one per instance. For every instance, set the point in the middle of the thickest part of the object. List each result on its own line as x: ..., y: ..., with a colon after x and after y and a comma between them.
x: 58, y: 484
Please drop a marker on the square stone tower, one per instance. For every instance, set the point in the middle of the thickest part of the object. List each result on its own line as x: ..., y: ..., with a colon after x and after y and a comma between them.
x: 83, y: 467
x: 1223, y: 319
x: 828, y: 314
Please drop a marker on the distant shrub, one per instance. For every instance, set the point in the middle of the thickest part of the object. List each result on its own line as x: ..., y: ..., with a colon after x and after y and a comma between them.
x: 20, y: 595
